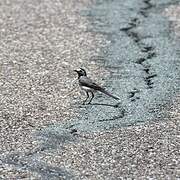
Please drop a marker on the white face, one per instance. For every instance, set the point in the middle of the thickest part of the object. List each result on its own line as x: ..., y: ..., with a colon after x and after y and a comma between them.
x: 81, y: 72
x: 78, y: 69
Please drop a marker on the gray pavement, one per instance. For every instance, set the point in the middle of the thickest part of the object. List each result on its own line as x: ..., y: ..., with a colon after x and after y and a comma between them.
x: 142, y: 60
x: 45, y: 131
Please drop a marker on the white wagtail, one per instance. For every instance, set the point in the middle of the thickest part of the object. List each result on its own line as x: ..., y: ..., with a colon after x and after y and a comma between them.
x: 89, y: 86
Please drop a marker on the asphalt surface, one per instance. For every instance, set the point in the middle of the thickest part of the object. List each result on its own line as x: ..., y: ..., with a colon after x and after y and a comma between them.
x: 132, y: 46
x: 142, y: 61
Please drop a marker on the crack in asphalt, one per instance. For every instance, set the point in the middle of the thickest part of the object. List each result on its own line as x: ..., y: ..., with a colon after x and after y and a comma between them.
x: 149, y: 50
x: 148, y: 5
x: 133, y: 94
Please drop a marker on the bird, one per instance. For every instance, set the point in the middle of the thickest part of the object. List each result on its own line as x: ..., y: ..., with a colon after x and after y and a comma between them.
x: 90, y: 87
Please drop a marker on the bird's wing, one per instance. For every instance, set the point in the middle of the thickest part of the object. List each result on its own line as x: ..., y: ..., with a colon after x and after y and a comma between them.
x: 85, y: 81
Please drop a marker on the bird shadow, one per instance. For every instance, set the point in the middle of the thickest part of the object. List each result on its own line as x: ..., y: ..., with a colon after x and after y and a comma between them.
x: 97, y: 104
x: 105, y: 104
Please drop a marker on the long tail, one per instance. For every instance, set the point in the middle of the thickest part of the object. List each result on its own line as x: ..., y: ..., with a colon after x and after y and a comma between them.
x: 107, y: 93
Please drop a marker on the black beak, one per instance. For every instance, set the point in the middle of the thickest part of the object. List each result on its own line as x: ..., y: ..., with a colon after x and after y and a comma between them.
x: 76, y: 71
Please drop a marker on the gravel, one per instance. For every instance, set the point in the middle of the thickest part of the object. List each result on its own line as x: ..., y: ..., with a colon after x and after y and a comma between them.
x: 151, y: 150
x: 41, y: 43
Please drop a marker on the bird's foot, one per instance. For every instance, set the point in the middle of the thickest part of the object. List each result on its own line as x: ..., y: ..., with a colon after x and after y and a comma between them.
x: 84, y: 103
x: 117, y: 105
x: 89, y: 102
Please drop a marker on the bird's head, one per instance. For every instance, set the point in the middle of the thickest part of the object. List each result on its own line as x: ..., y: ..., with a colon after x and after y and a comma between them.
x: 81, y: 72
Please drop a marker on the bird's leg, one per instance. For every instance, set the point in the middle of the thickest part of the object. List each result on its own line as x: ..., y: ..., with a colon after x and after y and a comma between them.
x: 91, y: 98
x: 86, y: 98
